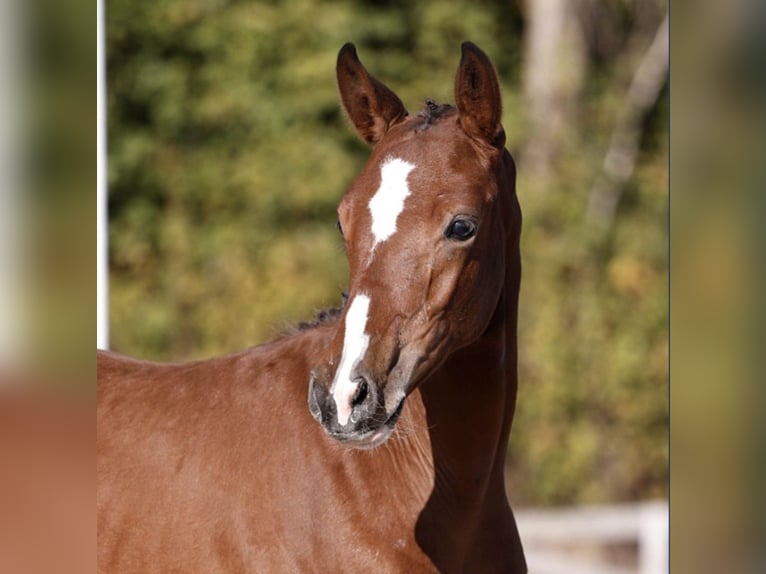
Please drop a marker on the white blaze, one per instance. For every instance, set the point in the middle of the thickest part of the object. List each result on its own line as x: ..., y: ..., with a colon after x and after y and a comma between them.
x: 354, y: 346
x: 388, y: 201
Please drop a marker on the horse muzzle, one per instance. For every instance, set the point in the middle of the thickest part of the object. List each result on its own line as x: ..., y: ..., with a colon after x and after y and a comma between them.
x: 364, y: 422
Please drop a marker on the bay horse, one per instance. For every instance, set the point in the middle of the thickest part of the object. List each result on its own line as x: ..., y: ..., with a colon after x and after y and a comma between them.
x: 396, y: 463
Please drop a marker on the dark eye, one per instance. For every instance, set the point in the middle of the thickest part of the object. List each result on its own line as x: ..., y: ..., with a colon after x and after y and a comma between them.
x: 461, y: 229
x: 340, y: 228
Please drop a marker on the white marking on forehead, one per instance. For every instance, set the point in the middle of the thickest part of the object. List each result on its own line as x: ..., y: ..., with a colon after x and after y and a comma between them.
x: 354, y: 346
x: 388, y: 201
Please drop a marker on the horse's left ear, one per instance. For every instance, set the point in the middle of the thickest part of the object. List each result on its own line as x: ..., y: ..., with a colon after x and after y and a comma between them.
x: 477, y: 95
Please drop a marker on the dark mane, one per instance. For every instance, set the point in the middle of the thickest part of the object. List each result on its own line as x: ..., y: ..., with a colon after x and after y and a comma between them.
x: 432, y: 113
x: 321, y: 317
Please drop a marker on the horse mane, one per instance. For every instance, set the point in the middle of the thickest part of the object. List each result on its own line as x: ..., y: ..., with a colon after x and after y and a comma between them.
x: 432, y: 113
x: 320, y: 318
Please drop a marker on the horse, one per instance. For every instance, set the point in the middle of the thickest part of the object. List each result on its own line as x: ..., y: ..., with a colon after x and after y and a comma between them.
x: 374, y: 438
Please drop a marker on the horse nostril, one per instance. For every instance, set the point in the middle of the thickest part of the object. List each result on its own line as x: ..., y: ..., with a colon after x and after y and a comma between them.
x: 360, y: 394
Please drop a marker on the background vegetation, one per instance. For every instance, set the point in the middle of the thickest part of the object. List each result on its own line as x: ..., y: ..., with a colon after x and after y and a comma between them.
x: 228, y: 153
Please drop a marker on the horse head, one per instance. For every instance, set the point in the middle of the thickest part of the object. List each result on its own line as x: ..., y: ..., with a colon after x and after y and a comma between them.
x: 426, y: 226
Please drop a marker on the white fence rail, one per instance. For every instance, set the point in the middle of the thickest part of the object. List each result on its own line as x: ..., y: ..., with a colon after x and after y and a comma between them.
x: 582, y: 540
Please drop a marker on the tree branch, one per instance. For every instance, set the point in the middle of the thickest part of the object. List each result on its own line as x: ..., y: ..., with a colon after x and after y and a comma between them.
x: 620, y: 159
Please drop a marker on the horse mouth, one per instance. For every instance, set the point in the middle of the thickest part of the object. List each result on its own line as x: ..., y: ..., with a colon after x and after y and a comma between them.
x: 375, y: 437
x: 391, y: 421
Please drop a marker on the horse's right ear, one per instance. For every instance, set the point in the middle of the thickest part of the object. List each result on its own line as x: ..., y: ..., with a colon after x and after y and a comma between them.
x: 370, y: 105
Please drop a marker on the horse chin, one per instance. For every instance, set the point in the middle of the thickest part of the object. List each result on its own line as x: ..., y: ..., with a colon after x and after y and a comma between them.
x: 374, y: 438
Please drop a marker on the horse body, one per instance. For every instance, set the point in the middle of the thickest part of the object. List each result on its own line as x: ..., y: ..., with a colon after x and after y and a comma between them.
x: 257, y: 483
x: 218, y: 465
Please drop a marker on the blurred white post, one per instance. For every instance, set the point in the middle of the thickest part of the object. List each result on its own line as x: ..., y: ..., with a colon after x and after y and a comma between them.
x: 653, y: 539
x: 102, y: 214
x: 549, y: 536
x: 11, y: 244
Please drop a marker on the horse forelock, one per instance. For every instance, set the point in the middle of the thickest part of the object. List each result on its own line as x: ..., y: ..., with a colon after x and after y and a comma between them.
x: 431, y: 113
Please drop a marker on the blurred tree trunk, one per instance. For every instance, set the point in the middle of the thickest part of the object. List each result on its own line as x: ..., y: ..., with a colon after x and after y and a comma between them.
x: 620, y: 160
x: 554, y: 71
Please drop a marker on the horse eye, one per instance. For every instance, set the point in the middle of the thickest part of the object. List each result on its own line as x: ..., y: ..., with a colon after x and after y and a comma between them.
x: 340, y: 228
x: 461, y: 229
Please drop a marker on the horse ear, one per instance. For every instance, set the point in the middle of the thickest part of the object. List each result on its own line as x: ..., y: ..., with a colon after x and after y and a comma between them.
x: 477, y: 95
x: 370, y: 105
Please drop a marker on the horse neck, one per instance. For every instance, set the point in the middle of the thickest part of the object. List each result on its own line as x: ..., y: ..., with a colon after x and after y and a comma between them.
x: 469, y: 402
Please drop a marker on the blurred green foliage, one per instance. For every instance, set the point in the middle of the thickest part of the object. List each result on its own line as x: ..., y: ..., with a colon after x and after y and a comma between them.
x: 228, y: 153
